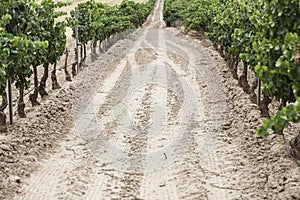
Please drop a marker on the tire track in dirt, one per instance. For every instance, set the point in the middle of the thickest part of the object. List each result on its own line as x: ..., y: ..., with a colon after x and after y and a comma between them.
x: 181, y: 172
x: 176, y: 183
x: 129, y: 183
x: 210, y: 159
x: 49, y: 177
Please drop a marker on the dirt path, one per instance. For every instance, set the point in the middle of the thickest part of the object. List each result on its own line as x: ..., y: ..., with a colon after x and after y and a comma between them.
x: 154, y: 125
x: 149, y: 125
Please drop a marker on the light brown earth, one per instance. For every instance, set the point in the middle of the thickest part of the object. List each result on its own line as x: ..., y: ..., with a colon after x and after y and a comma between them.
x: 158, y: 116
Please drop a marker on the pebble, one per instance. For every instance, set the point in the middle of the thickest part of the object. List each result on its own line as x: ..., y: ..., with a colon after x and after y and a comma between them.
x: 15, y: 179
x: 5, y: 147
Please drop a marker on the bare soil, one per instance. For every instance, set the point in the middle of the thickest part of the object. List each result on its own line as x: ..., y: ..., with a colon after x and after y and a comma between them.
x: 158, y: 116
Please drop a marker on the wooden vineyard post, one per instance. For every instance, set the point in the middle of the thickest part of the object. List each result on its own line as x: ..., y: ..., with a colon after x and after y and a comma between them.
x: 10, y: 103
x: 258, y: 92
x: 68, y: 77
x: 81, y: 54
x: 76, y: 40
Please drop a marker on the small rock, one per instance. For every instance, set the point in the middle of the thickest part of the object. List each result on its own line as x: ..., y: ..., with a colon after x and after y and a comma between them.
x: 72, y: 87
x: 5, y: 147
x: 61, y: 108
x: 226, y: 126
x: 130, y: 154
x: 162, y: 185
x: 15, y: 179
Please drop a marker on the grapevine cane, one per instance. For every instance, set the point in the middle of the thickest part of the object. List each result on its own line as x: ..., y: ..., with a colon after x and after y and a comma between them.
x: 288, y: 151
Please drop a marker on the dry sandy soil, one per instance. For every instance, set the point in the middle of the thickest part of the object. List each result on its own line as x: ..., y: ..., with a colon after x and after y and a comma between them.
x: 157, y: 116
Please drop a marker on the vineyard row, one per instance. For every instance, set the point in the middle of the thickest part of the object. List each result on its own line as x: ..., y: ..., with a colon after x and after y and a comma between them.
x: 263, y: 36
x: 32, y: 36
x: 257, y: 35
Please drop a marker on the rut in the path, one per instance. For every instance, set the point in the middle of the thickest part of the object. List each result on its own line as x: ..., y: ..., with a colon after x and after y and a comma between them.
x: 149, y: 131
